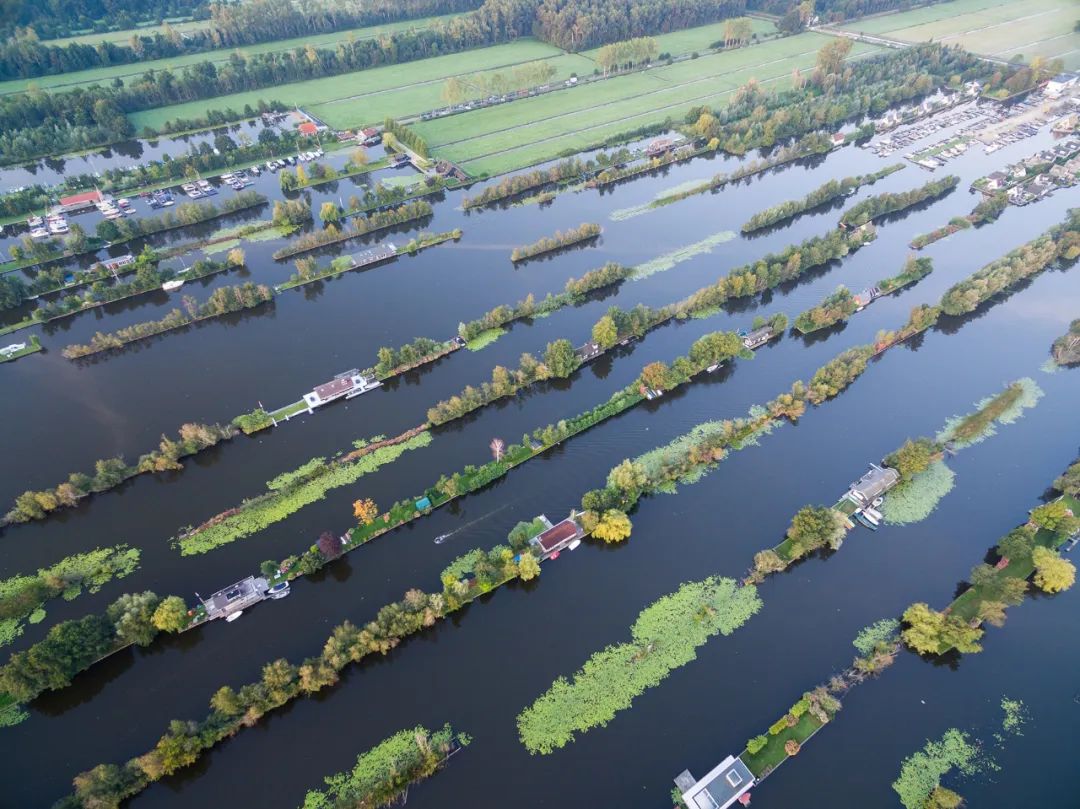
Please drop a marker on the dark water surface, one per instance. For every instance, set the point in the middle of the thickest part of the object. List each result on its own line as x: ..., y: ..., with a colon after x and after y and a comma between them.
x: 479, y: 669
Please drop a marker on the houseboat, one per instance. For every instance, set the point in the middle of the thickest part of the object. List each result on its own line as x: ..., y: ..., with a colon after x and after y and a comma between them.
x: 723, y: 786
x: 345, y: 385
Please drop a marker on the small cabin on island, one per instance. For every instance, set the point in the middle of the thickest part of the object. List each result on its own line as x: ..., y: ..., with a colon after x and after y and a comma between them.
x: 235, y: 597
x: 557, y: 537
x: 349, y: 384
x: 590, y: 351
x: 873, y: 484
x: 720, y: 788
x: 757, y: 337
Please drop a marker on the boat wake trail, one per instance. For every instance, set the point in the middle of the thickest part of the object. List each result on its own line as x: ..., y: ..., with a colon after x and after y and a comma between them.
x: 441, y: 538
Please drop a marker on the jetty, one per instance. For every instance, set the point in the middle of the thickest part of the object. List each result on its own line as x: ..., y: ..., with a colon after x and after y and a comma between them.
x: 721, y: 787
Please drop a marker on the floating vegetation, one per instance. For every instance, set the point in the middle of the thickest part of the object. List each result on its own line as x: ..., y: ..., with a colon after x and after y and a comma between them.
x: 664, y: 637
x: 12, y: 713
x: 485, y: 338
x: 627, y: 213
x: 884, y: 631
x: 669, y: 260
x: 1016, y: 715
x: 914, y: 500
x: 921, y: 772
x: 1005, y: 407
x: 1050, y: 367
x: 277, y: 504
x: 37, y: 616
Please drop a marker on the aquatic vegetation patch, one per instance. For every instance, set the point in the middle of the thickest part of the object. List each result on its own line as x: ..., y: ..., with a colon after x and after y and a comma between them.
x: 887, y: 630
x: 921, y: 772
x: 11, y: 713
x: 1005, y: 407
x: 22, y: 598
x: 915, y: 499
x: 620, y: 214
x: 485, y: 338
x: 685, y: 253
x: 280, y: 503
x: 664, y: 637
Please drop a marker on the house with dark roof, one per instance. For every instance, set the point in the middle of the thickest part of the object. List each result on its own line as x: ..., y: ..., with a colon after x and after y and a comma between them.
x: 349, y: 384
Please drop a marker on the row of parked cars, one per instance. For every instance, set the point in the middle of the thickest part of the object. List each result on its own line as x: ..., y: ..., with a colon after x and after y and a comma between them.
x: 302, y: 157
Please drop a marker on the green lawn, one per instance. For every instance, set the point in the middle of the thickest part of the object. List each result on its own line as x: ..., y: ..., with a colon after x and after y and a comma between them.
x: 372, y: 94
x: 773, y: 753
x: 967, y: 605
x: 532, y: 130
x: 122, y: 37
x: 103, y: 75
x: 1001, y: 28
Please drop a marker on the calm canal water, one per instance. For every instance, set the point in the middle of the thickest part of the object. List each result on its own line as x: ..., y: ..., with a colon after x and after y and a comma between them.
x: 61, y: 416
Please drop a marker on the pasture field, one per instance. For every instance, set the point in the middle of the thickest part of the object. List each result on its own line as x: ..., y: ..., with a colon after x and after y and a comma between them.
x: 104, y: 75
x: 381, y: 84
x: 697, y: 39
x: 124, y: 36
x: 1001, y: 28
x: 533, y: 130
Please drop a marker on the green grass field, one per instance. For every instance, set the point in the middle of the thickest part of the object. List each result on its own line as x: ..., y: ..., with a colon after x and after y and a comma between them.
x: 525, y: 132
x: 697, y: 39
x: 367, y: 96
x: 104, y: 75
x: 122, y: 37
x: 1002, y: 28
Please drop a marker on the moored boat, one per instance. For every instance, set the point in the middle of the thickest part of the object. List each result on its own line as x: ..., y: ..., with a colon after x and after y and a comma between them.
x: 173, y: 285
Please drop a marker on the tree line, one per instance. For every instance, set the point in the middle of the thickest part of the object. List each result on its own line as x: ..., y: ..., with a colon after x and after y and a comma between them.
x: 222, y: 301
x: 229, y: 25
x: 833, y: 189
x: 481, y: 85
x: 61, y: 20
x: 576, y: 25
x: 111, y: 472
x: 887, y: 203
x: 186, y: 213
x: 586, y: 230
x: 360, y: 225
x: 1061, y: 241
x: 407, y: 137
x: 840, y: 305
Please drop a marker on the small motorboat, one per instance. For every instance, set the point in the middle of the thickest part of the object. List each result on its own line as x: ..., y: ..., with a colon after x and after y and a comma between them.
x: 35, y: 221
x: 574, y: 545
x: 877, y: 502
x: 875, y: 516
x: 713, y: 367
x: 441, y: 538
x: 230, y: 618
x: 279, y: 590
x: 865, y: 521
x: 39, y: 233
x: 554, y: 555
x: 173, y: 285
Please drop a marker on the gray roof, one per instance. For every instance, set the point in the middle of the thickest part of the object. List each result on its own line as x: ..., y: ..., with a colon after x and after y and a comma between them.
x: 721, y: 787
x: 875, y: 482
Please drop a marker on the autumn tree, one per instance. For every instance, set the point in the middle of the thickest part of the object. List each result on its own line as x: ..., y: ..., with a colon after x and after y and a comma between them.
x: 1052, y: 573
x: 815, y: 527
x: 605, y: 333
x: 329, y: 546
x: 913, y: 457
x: 171, y: 615
x: 931, y: 632
x: 560, y: 358
x: 365, y: 511
x: 528, y: 567
x: 1057, y: 517
x: 614, y: 526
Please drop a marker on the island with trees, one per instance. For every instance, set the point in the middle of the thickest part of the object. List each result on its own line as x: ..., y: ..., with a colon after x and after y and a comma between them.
x: 890, y: 203
x: 583, y: 232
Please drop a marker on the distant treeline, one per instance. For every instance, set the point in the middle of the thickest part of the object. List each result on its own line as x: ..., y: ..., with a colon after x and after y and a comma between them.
x: 229, y: 25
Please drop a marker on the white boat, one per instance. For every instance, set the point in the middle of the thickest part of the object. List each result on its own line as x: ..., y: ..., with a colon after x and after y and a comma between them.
x: 230, y: 618
x: 573, y: 545
x: 173, y: 285
x: 35, y: 221
x: 876, y: 516
x: 279, y: 590
x: 56, y: 228
x: 38, y: 233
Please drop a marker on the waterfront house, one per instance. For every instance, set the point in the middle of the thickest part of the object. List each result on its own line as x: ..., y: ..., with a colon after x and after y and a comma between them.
x: 235, y: 597
x: 590, y: 351
x: 758, y: 337
x: 349, y: 384
x: 873, y: 484
x: 996, y: 180
x: 720, y: 788
x: 557, y: 537
x: 308, y: 128
x: 838, y: 139
x: 81, y: 202
x: 11, y: 350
